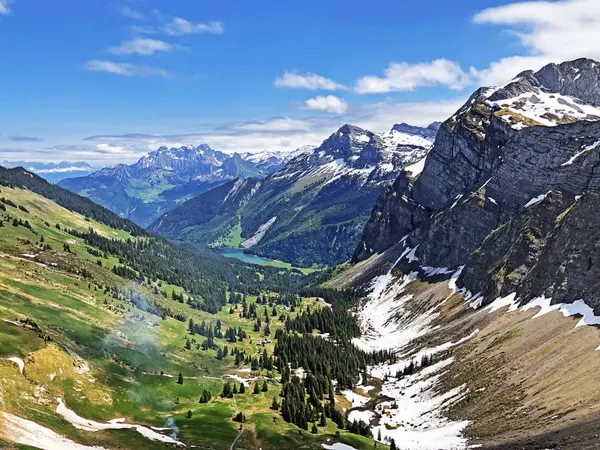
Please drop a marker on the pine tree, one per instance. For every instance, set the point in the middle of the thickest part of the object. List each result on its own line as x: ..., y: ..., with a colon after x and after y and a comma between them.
x: 265, y: 388
x: 314, y: 429
x: 256, y: 389
x: 180, y: 378
x: 189, y: 414
x: 275, y: 405
x: 393, y: 445
x: 227, y: 392
x: 242, y: 388
x: 205, y: 397
x: 323, y: 421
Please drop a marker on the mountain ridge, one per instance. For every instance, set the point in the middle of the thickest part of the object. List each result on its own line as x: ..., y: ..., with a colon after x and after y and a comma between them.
x: 507, y: 149
x: 165, y: 177
x: 310, y: 211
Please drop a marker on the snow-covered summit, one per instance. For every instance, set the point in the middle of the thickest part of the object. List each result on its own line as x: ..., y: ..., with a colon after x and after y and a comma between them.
x: 556, y: 94
x: 181, y: 158
x: 355, y: 153
x: 410, y: 136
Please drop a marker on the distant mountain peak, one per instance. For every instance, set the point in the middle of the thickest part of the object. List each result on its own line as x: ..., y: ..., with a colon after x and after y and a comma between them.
x: 350, y: 129
x: 166, y: 176
x: 428, y: 133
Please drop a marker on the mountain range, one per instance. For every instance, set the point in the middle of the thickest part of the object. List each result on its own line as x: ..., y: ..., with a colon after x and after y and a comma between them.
x: 467, y: 316
x: 53, y: 172
x: 487, y: 261
x: 167, y: 177
x: 313, y: 210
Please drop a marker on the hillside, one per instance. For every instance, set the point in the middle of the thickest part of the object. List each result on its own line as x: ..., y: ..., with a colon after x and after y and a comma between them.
x: 166, y: 177
x: 311, y: 212
x: 481, y: 273
x: 97, y: 323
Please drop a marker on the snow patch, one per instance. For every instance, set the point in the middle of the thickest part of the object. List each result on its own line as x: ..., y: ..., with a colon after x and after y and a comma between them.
x: 26, y: 432
x: 355, y: 399
x: 18, y: 361
x: 416, y: 168
x: 361, y: 416
x: 536, y: 200
x: 585, y: 149
x: 337, y: 446
x: 116, y: 424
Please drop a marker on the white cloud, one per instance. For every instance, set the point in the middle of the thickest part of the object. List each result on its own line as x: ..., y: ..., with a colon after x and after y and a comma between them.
x: 141, y: 46
x: 178, y: 26
x: 274, y: 124
x: 402, y: 76
x: 101, y: 154
x: 124, y: 69
x: 4, y: 7
x: 549, y: 31
x: 380, y: 117
x: 329, y: 103
x: 130, y: 13
x: 306, y: 81
x: 277, y: 134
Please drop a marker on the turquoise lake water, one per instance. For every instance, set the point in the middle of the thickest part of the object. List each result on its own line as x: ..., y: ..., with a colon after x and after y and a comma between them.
x: 238, y: 253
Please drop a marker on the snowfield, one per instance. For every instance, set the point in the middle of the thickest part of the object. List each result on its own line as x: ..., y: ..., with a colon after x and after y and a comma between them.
x: 415, y: 417
x: 547, y: 109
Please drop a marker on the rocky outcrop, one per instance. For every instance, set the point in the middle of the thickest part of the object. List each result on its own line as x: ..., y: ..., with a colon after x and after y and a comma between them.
x: 498, y: 191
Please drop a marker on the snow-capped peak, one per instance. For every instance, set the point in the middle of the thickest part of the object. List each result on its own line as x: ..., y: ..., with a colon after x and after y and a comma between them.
x: 556, y: 94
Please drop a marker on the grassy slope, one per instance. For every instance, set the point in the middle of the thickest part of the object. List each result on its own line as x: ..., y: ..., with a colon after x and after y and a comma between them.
x: 118, y: 343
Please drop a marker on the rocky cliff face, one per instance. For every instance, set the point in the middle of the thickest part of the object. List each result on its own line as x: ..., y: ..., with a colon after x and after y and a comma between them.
x: 511, y: 179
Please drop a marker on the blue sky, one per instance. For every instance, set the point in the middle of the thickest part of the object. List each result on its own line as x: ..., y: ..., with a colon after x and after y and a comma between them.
x: 106, y: 81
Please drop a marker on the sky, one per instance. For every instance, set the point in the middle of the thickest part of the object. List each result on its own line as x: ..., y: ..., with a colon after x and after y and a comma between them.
x: 107, y: 81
